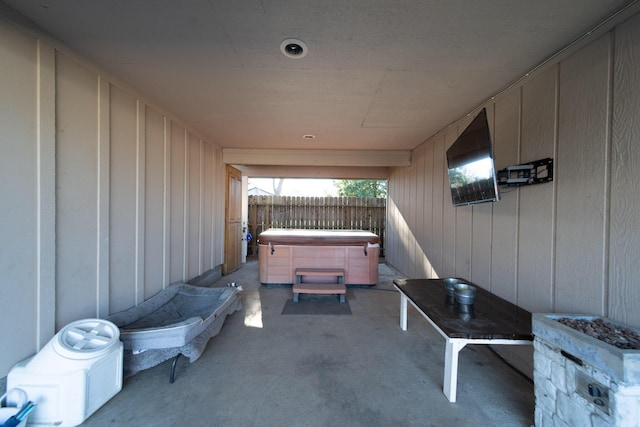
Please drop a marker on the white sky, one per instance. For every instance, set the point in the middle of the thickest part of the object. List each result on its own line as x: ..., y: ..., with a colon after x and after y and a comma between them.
x: 298, y: 186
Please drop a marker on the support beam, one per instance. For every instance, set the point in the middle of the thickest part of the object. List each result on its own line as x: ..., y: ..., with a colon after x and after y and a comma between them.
x: 341, y: 172
x: 351, y: 158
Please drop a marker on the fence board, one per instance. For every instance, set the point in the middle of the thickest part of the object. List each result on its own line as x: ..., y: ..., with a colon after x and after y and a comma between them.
x: 322, y: 213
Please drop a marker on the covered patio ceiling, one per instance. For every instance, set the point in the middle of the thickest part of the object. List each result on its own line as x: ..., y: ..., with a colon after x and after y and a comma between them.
x: 375, y: 75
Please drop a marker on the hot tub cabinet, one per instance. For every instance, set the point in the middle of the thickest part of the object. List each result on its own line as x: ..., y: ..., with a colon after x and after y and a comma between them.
x: 281, y: 252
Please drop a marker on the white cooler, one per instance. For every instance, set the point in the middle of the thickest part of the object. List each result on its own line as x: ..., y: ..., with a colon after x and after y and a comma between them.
x: 78, y: 371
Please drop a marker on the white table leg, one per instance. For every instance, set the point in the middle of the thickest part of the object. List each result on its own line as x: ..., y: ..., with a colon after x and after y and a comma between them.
x: 403, y: 311
x: 450, y: 385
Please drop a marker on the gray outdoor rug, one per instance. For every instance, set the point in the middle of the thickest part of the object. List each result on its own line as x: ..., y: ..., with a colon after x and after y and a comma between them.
x: 317, y: 305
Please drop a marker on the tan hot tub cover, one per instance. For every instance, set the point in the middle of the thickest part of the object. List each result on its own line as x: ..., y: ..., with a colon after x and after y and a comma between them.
x: 276, y: 236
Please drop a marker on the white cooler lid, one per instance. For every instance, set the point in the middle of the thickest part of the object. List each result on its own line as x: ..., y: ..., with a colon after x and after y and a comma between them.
x: 86, y: 338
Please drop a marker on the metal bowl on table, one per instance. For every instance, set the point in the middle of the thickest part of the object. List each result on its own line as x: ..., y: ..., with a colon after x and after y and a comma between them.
x: 465, y: 293
x: 450, y: 284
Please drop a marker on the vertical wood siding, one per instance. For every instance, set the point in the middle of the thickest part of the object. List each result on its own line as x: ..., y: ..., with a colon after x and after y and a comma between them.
x: 155, y: 203
x: 583, y: 138
x: 107, y: 199
x: 624, y: 206
x: 19, y: 284
x: 536, y: 209
x: 76, y: 190
x: 123, y: 232
x: 570, y: 245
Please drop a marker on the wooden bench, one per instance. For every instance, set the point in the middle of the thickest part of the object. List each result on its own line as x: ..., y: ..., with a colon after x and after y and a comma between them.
x: 302, y: 287
x: 490, y: 320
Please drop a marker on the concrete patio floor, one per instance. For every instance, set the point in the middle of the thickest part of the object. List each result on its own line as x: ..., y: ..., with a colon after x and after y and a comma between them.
x: 268, y: 369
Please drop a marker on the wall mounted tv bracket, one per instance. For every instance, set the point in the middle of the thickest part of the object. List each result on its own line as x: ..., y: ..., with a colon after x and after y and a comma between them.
x: 536, y: 172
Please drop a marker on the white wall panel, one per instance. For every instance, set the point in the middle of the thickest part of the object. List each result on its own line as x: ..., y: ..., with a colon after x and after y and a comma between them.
x: 401, y: 221
x: 392, y: 252
x: 411, y: 184
x: 123, y: 201
x: 581, y: 165
x: 18, y: 185
x: 220, y: 180
x: 624, y: 268
x: 463, y: 217
x: 427, y: 208
x: 155, y: 237
x: 448, y: 212
x: 76, y: 191
x: 46, y: 196
x: 405, y: 237
x: 419, y: 161
x: 178, y: 271
x: 481, y: 245
x: 194, y: 168
x: 103, y: 196
x: 535, y: 235
x: 440, y: 197
x: 505, y: 213
x: 208, y: 223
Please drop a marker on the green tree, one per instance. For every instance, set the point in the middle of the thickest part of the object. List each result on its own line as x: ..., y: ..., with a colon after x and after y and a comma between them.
x: 362, y: 188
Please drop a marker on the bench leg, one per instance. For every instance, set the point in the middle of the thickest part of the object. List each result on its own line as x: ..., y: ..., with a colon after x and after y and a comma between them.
x: 403, y: 311
x: 172, y: 374
x: 295, y: 296
x: 450, y: 385
x: 342, y: 299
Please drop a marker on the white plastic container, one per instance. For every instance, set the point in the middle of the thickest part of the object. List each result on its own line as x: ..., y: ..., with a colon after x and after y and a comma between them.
x: 77, y: 372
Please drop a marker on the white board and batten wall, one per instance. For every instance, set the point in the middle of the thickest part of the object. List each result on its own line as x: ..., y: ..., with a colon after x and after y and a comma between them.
x: 106, y: 197
x: 567, y: 246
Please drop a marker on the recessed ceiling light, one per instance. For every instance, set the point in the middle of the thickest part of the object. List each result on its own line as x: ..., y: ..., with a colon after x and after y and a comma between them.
x: 309, y: 137
x: 293, y: 48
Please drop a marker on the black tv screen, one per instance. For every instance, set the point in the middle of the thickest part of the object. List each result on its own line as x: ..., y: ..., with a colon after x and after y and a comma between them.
x: 472, y: 176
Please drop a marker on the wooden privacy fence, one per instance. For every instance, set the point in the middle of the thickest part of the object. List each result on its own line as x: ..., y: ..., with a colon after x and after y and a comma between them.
x: 322, y: 213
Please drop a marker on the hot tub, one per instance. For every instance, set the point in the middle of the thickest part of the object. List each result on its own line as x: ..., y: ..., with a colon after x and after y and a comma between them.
x: 282, y: 251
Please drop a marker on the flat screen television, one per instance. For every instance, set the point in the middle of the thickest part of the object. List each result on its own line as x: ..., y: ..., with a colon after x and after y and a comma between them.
x: 471, y: 168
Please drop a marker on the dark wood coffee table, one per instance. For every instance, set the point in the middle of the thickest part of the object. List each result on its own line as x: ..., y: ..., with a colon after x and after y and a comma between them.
x: 490, y: 320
